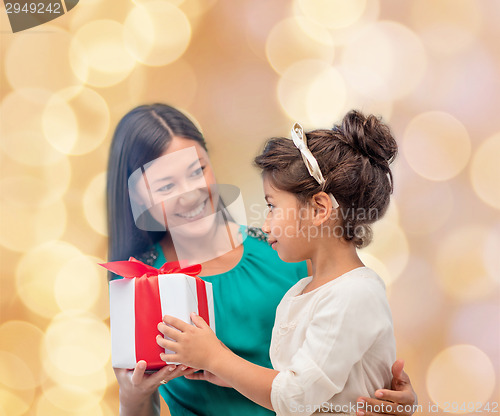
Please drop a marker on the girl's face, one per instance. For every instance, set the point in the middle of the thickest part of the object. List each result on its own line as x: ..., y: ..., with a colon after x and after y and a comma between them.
x: 287, y: 224
x: 178, y: 188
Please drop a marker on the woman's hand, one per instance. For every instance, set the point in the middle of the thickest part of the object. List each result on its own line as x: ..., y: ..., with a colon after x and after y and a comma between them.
x: 400, y: 401
x: 196, y: 346
x: 139, y: 391
x: 208, y: 376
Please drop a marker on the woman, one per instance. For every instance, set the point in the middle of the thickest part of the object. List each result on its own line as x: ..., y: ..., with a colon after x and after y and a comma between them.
x: 156, y: 212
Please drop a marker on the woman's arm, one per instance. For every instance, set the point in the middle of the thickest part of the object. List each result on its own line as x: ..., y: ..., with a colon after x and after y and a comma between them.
x: 399, y: 401
x: 139, y: 391
x: 249, y: 379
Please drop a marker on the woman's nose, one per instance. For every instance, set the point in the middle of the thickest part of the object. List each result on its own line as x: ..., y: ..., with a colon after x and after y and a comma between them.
x: 189, y: 198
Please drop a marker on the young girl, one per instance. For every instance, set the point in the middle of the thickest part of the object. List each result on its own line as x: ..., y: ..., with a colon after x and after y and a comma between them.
x: 332, y: 339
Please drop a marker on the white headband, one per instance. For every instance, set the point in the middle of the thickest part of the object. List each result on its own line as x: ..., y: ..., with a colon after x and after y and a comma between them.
x: 300, y: 142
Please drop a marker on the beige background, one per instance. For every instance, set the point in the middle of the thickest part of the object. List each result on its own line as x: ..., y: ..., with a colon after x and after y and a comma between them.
x: 245, y: 70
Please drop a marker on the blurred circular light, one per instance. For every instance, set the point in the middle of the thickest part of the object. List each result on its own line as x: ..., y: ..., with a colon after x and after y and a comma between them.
x: 57, y: 177
x: 485, y: 171
x: 384, y: 59
x: 333, y: 14
x: 176, y: 3
x: 326, y: 98
x: 464, y: 328
x: 45, y: 51
x: 490, y: 253
x: 28, y: 191
x: 389, y: 246
x: 13, y: 336
x: 94, y: 204
x: 369, y: 105
x: 194, y: 8
x: 73, y: 334
x: 108, y: 408
x: 461, y: 374
x: 177, y: 81
x: 345, y: 35
x: 157, y: 32
x: 21, y: 131
x: 15, y: 373
x: 449, y: 28
x: 460, y: 264
x: 23, y: 227
x: 418, y: 287
x: 298, y: 39
x: 375, y: 264
x: 260, y: 17
x: 436, y: 145
x: 452, y: 91
x: 95, y: 383
x: 71, y: 397
x: 101, y: 306
x: 420, y: 213
x: 98, y: 56
x: 301, y: 85
x: 393, y: 212
x: 44, y: 407
x: 12, y: 404
x: 77, y: 284
x: 65, y: 121
x: 36, y: 275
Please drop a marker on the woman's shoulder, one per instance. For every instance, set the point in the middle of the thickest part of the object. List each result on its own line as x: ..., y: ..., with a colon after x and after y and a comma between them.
x: 256, y: 233
x: 260, y: 254
x: 149, y: 256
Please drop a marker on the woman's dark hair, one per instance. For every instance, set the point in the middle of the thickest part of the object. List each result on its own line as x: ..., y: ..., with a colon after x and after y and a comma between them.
x: 354, y: 158
x: 141, y: 136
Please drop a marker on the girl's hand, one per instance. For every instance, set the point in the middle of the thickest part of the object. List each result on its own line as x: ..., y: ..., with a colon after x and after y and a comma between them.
x: 196, y: 346
x: 400, y: 401
x: 139, y: 391
x: 208, y: 376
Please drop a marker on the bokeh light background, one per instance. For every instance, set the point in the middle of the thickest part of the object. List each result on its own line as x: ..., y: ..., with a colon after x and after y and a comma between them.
x: 245, y: 70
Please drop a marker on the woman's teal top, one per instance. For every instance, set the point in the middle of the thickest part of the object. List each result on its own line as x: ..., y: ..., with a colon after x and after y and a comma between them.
x: 245, y: 301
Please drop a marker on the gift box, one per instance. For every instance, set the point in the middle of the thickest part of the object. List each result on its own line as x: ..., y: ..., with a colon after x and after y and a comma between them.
x: 139, y: 301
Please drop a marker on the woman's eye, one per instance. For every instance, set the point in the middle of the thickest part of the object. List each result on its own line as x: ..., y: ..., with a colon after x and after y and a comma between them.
x: 166, y: 188
x: 197, y: 172
x: 270, y: 207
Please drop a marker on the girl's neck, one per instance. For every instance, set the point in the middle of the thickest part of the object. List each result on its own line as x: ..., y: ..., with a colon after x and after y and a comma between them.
x: 332, y: 258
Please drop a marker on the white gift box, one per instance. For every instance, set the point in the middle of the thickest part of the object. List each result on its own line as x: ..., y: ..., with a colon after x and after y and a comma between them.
x: 137, y: 305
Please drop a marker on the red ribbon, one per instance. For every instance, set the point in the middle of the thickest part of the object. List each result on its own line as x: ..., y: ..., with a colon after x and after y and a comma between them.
x: 147, y: 302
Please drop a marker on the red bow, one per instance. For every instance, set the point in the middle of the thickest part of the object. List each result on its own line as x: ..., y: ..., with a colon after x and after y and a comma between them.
x: 135, y: 268
x: 147, y: 312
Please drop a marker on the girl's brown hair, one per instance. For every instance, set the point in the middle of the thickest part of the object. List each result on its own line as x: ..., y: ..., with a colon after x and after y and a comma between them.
x: 354, y: 158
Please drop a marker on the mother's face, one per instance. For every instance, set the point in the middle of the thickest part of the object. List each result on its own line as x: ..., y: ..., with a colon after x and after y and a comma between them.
x: 177, y: 189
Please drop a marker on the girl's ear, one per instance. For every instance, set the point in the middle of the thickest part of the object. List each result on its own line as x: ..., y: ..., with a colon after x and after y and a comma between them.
x: 322, y: 208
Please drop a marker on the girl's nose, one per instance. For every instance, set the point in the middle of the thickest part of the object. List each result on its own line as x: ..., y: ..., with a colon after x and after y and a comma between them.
x: 265, y: 227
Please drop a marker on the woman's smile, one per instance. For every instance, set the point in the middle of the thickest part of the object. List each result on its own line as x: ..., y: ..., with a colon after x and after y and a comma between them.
x: 194, y: 213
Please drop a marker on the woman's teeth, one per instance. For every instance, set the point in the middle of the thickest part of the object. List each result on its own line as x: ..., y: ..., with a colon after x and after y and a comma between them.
x: 194, y: 212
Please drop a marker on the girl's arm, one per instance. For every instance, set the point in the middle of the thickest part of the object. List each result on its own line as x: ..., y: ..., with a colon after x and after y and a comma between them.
x: 198, y: 347
x: 400, y: 401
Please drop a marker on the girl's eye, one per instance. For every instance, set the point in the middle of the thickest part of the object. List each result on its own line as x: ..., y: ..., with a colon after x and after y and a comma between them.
x: 270, y: 207
x: 197, y: 172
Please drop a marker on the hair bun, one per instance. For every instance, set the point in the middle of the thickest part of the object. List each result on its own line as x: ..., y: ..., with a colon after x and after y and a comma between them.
x: 370, y: 137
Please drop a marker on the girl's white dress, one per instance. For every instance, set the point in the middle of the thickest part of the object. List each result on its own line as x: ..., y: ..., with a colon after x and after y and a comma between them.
x: 332, y: 345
